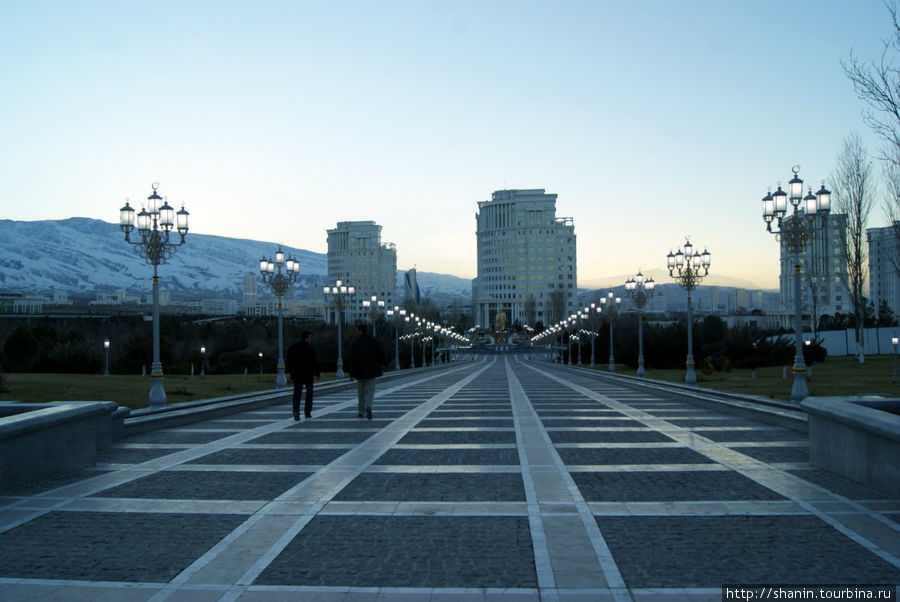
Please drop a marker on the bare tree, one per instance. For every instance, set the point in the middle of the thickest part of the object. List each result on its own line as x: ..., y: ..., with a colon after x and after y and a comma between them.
x: 853, y: 195
x: 891, y: 179
x: 877, y: 83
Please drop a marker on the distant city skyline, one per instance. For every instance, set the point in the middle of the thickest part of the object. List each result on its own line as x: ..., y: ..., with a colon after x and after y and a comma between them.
x: 650, y: 120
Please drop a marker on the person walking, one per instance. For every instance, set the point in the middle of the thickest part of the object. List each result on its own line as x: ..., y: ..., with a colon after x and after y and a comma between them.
x: 367, y: 360
x: 304, y: 368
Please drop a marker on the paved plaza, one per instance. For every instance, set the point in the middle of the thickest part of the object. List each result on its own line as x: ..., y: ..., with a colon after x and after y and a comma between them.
x: 496, y: 479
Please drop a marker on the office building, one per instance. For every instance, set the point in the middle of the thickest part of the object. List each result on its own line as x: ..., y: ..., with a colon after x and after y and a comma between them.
x: 357, y: 257
x: 526, y: 260
x: 884, y: 266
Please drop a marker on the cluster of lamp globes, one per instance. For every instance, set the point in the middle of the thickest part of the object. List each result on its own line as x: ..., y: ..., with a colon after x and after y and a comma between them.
x: 154, y: 216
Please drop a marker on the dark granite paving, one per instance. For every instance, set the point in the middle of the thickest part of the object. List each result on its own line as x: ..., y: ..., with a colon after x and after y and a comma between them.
x: 420, y: 457
x: 466, y: 422
x: 288, y: 456
x: 631, y: 455
x: 207, y: 485
x: 798, y: 453
x: 407, y: 551
x: 175, y: 437
x: 707, y: 551
x: 110, y: 546
x: 456, y: 437
x: 839, y: 484
x: 124, y: 455
x: 592, y: 436
x: 669, y: 486
x: 762, y: 434
x: 592, y: 422
x: 438, y: 487
x: 307, y: 437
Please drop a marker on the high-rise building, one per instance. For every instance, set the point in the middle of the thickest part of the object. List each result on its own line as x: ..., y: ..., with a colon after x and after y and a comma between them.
x: 411, y: 293
x: 526, y: 260
x: 823, y: 273
x: 357, y: 257
x: 884, y: 266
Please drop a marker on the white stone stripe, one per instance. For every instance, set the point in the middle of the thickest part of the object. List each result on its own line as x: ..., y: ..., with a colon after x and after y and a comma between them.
x: 521, y: 406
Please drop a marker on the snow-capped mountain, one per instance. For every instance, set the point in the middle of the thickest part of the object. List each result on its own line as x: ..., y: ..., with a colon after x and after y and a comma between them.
x: 82, y: 257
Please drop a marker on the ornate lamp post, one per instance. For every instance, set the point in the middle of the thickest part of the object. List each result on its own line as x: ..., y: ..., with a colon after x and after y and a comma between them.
x: 397, y: 315
x: 280, y: 284
x: 373, y: 306
x: 338, y: 293
x: 156, y: 246
x: 611, y: 303
x: 106, y: 360
x: 793, y: 232
x: 640, y: 291
x: 591, y: 312
x: 691, y: 268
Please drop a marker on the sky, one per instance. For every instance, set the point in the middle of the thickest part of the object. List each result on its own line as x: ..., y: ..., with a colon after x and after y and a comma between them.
x: 652, y: 120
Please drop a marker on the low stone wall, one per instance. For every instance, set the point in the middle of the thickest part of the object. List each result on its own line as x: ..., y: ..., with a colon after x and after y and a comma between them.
x: 858, y: 438
x: 43, y: 440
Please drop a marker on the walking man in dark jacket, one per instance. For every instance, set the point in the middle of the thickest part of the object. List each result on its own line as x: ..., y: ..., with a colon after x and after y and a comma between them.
x: 302, y: 364
x: 366, y: 361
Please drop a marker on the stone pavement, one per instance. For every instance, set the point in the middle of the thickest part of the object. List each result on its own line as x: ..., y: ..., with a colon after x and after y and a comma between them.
x: 499, y: 479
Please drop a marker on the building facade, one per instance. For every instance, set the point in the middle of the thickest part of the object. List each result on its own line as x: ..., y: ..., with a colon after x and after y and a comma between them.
x: 526, y: 260
x: 884, y: 266
x: 358, y: 258
x: 823, y: 274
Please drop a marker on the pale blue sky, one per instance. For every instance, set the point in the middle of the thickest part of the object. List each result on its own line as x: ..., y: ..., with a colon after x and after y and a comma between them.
x: 274, y: 120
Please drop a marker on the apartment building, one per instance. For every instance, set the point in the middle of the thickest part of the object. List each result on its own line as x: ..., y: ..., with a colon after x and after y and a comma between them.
x: 357, y: 257
x: 884, y: 266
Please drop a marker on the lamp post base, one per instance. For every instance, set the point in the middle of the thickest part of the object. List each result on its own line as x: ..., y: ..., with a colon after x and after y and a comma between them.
x: 641, y: 371
x: 799, y: 390
x: 157, y: 397
x: 280, y: 379
x: 690, y: 377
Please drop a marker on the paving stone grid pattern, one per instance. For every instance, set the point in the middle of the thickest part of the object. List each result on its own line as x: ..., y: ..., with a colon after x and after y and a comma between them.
x: 499, y: 479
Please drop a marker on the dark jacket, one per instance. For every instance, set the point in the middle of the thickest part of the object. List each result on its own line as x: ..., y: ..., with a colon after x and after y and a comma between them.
x: 366, y: 357
x: 301, y: 361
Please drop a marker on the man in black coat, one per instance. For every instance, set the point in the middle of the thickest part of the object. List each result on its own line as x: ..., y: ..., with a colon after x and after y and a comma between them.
x: 303, y: 366
x: 367, y: 359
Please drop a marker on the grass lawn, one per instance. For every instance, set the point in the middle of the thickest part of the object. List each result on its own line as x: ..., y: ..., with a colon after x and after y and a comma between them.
x: 131, y: 391
x: 834, y: 376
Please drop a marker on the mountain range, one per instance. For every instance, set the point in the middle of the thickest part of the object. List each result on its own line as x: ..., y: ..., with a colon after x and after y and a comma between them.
x: 83, y: 257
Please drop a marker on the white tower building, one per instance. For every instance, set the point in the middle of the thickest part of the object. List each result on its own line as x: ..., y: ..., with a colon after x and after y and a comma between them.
x: 823, y: 269
x: 357, y: 257
x: 526, y: 259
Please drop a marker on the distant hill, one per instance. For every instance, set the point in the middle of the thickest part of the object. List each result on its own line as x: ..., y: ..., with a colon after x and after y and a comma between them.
x: 82, y: 257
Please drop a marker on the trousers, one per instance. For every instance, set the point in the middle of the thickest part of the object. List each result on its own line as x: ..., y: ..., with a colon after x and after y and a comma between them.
x: 298, y: 392
x: 365, y: 394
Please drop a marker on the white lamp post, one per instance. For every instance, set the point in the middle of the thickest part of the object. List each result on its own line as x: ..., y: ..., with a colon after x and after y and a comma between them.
x: 202, y: 361
x: 689, y: 268
x: 155, y: 224
x: 611, y: 303
x: 793, y: 231
x: 106, y: 360
x: 640, y: 291
x: 280, y: 284
x: 396, y: 315
x: 339, y: 293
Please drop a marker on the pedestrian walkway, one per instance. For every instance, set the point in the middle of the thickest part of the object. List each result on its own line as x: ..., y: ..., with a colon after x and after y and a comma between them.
x: 499, y: 479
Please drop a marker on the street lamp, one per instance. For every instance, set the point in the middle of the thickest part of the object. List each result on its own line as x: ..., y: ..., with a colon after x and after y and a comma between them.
x: 373, y: 305
x: 793, y: 232
x: 106, y: 360
x: 260, y: 364
x: 640, y: 291
x: 611, y: 302
x: 338, y: 293
x: 155, y: 224
x: 202, y: 361
x: 280, y: 284
x: 397, y: 315
x: 691, y: 268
